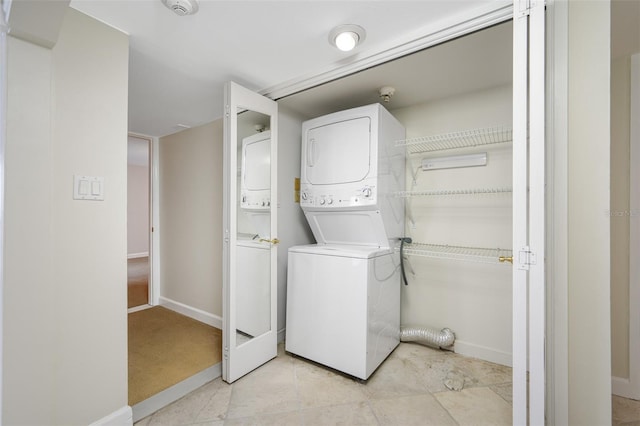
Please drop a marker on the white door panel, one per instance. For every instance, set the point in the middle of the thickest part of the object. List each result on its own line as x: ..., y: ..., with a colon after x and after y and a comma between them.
x: 249, y: 335
x: 529, y: 213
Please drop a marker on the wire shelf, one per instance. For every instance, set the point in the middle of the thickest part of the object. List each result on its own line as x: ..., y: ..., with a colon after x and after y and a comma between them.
x: 453, y: 192
x: 467, y: 254
x: 463, y: 139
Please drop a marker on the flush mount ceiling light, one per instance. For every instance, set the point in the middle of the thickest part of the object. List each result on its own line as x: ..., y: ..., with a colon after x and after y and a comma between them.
x: 182, y: 7
x: 346, y: 37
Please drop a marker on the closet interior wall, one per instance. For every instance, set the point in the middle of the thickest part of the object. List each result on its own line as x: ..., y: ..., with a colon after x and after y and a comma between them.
x: 471, y: 298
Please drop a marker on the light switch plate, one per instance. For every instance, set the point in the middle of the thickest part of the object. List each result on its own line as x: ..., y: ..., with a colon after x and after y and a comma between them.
x: 88, y: 188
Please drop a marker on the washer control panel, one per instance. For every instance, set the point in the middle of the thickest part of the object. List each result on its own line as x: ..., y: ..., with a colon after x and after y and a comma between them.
x: 364, y: 195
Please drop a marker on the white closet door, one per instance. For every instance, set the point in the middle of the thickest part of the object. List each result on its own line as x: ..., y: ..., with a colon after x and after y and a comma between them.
x: 528, y: 213
x: 246, y: 348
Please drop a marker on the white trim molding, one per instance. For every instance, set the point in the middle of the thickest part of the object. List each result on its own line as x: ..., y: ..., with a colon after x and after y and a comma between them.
x: 191, y: 312
x: 137, y: 255
x: 4, y: 29
x: 120, y: 417
x: 483, y: 352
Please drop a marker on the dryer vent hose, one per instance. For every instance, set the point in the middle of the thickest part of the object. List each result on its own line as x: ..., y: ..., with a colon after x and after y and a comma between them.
x: 427, y: 336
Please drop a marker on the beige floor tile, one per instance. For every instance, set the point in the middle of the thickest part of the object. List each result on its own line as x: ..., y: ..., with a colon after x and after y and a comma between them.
x: 422, y: 410
x: 185, y: 410
x: 269, y: 389
x: 476, y: 406
x: 485, y: 372
x: 293, y: 418
x: 354, y: 414
x: 437, y: 373
x: 408, y: 350
x: 395, y: 377
x: 505, y: 391
x: 321, y: 387
x: 624, y: 410
x: 216, y: 408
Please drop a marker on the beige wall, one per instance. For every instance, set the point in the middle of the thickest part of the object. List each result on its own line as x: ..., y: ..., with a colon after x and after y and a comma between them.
x: 589, y: 351
x: 137, y: 209
x: 191, y: 217
x: 472, y: 299
x: 29, y: 328
x: 65, y: 348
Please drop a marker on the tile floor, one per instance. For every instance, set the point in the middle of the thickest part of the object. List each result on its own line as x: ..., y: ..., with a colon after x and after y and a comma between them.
x: 626, y: 412
x: 410, y: 388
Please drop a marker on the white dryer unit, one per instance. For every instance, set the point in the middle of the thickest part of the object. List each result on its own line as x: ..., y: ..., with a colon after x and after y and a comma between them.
x: 343, y: 306
x: 350, y: 169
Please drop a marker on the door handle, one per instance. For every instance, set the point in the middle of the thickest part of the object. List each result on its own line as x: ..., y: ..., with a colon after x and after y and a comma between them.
x: 273, y: 241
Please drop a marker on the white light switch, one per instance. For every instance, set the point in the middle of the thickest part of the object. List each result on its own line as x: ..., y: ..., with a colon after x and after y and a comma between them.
x: 88, y: 188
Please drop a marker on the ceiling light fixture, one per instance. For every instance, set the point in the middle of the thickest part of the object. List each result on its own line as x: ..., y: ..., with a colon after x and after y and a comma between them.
x: 182, y: 7
x: 346, y: 37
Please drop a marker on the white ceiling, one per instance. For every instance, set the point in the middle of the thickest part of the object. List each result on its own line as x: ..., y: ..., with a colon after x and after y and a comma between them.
x: 178, y: 65
x: 474, y: 62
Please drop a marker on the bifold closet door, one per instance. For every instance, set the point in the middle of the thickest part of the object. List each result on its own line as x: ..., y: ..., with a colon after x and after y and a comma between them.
x: 248, y: 298
x: 528, y: 213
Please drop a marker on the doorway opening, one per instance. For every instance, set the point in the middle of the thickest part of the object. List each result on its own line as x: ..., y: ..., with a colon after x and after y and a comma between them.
x: 138, y: 221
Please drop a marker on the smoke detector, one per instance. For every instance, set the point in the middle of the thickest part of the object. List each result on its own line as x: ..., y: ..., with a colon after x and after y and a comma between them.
x: 182, y: 7
x: 386, y: 93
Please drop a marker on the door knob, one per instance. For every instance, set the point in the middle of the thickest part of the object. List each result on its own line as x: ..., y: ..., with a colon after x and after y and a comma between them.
x: 272, y: 241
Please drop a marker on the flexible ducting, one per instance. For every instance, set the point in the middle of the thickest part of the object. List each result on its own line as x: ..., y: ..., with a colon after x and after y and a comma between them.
x: 427, y: 336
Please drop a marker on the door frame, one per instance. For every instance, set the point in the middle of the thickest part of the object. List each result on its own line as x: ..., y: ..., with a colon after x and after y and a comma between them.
x: 4, y: 29
x: 630, y: 388
x: 154, y: 229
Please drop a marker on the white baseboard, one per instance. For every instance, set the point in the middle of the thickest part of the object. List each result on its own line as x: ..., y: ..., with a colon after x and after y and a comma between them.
x: 121, y: 417
x: 175, y: 392
x: 624, y: 388
x: 281, y: 335
x: 483, y: 352
x: 137, y: 255
x: 191, y: 312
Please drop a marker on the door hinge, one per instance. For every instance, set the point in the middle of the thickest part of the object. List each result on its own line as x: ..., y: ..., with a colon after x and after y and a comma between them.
x: 526, y: 258
x: 523, y: 8
x: 227, y: 110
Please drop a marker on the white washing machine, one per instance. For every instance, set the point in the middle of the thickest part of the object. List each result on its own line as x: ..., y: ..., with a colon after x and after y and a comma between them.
x: 343, y: 306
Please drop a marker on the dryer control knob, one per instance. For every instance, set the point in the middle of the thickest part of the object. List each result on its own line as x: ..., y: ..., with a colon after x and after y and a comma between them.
x: 366, y: 192
x: 322, y: 201
x: 330, y: 201
x: 304, y: 196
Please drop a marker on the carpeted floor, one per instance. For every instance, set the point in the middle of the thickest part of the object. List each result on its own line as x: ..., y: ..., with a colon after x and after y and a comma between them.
x: 137, y: 282
x: 166, y: 348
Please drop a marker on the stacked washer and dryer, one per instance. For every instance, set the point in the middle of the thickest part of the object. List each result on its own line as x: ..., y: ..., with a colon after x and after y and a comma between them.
x: 343, y: 293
